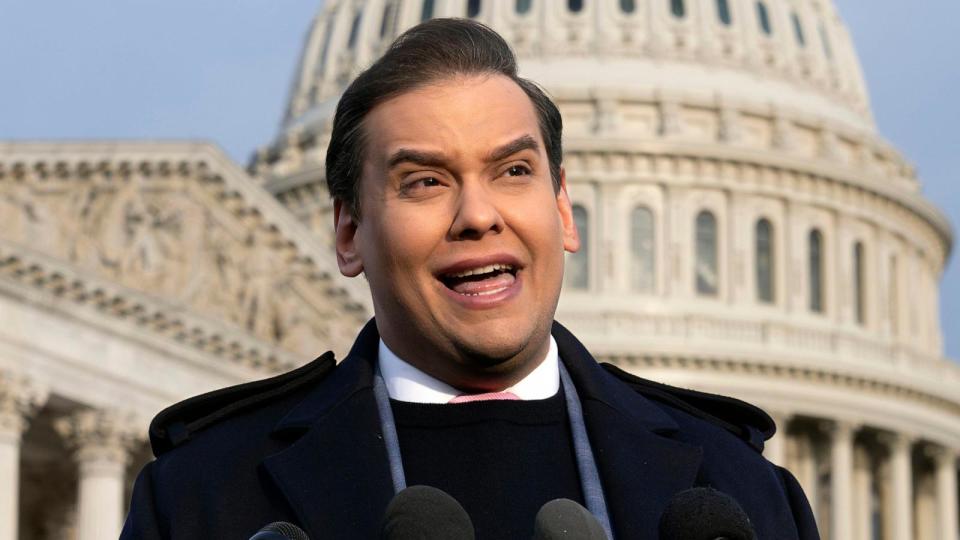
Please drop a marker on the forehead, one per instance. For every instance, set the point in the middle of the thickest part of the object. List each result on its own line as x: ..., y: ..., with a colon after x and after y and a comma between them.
x: 459, y: 116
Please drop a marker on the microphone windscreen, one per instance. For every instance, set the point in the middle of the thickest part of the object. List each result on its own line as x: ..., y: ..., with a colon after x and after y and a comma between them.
x: 280, y: 530
x: 704, y: 514
x: 425, y: 513
x: 565, y: 519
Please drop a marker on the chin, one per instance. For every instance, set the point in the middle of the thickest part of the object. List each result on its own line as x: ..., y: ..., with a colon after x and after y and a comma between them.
x: 499, y: 349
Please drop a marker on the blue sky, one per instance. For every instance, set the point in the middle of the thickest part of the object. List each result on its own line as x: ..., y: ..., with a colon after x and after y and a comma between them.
x: 175, y: 69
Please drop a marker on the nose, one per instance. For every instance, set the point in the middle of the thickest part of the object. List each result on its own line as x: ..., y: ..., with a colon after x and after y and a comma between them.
x: 476, y: 213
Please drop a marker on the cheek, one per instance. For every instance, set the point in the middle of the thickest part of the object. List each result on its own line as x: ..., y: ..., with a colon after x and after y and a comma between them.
x: 403, y: 250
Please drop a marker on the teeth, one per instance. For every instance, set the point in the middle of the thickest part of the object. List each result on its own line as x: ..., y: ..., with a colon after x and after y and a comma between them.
x: 482, y: 270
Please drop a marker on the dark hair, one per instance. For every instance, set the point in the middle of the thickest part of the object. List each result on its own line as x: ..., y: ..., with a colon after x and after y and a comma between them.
x: 432, y: 50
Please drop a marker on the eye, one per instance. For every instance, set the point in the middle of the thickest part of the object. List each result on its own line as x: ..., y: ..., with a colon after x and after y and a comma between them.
x: 417, y: 184
x: 518, y: 170
x: 426, y: 182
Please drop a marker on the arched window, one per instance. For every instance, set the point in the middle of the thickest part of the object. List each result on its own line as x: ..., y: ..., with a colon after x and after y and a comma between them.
x: 815, y: 254
x: 577, y: 274
x: 354, y: 30
x: 825, y: 39
x: 763, y: 17
x: 426, y: 10
x: 894, y: 296
x: 706, y: 267
x: 678, y: 8
x: 628, y: 6
x: 859, y: 285
x: 723, y: 12
x: 575, y: 5
x: 764, y: 260
x: 386, y: 22
x: 642, y: 251
x: 523, y: 6
x: 473, y: 8
x: 798, y: 30
x: 327, y: 35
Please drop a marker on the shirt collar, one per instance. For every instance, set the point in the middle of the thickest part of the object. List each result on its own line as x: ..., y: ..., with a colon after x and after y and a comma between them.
x: 407, y: 383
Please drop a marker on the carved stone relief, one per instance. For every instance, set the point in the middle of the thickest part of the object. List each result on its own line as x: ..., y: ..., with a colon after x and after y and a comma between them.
x: 172, y: 238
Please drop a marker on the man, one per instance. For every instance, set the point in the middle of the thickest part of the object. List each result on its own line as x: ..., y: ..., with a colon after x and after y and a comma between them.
x: 449, y: 196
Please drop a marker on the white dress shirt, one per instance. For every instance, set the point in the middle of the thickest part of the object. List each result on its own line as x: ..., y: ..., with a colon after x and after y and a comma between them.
x: 407, y: 383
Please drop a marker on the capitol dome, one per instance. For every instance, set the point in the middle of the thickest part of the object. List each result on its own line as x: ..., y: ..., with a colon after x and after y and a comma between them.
x: 746, y: 229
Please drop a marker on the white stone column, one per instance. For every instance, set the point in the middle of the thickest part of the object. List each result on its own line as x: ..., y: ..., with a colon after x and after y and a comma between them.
x: 806, y: 471
x: 841, y: 480
x: 946, y: 476
x: 862, y: 494
x: 102, y: 441
x: 775, y: 449
x: 901, y: 487
x: 19, y: 398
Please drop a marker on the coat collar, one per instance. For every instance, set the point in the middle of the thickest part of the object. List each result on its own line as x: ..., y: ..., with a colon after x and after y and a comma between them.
x: 337, y: 479
x: 641, y: 467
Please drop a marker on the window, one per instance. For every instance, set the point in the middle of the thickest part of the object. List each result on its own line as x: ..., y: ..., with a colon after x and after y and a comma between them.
x: 764, y: 18
x: 723, y: 12
x: 764, y: 260
x: 827, y: 50
x: 859, y: 291
x: 628, y: 6
x: 523, y: 6
x: 706, y: 266
x: 354, y: 30
x: 815, y: 254
x: 386, y: 22
x: 577, y: 274
x: 426, y: 10
x: 894, y: 296
x: 575, y: 5
x: 678, y: 9
x: 473, y: 8
x: 642, y: 254
x: 798, y: 30
x: 325, y: 48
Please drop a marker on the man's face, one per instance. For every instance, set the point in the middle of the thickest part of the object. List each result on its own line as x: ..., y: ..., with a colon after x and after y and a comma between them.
x: 462, y: 233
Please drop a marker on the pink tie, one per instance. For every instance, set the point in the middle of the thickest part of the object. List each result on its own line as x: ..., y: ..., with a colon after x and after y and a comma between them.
x: 489, y: 396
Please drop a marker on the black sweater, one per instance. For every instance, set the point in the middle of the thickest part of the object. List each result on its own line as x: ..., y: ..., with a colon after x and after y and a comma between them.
x: 502, y: 460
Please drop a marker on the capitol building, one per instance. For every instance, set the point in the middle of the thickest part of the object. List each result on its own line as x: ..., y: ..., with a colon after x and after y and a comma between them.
x: 746, y: 231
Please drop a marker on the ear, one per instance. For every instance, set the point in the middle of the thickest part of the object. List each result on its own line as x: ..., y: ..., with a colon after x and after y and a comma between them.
x: 571, y: 237
x: 345, y: 235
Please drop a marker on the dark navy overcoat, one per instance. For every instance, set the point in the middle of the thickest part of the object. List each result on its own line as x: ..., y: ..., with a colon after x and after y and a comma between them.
x: 306, y: 447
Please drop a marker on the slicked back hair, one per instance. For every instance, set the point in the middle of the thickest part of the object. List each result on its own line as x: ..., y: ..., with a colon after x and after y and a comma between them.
x: 434, y: 50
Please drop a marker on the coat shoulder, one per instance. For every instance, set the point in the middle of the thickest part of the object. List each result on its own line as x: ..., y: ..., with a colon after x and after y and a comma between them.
x: 180, y: 422
x: 747, y: 422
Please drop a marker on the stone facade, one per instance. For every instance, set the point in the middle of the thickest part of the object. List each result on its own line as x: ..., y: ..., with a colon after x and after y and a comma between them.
x: 747, y: 231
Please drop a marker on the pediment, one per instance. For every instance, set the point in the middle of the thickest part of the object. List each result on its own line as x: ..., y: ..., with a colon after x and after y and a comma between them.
x: 179, y: 236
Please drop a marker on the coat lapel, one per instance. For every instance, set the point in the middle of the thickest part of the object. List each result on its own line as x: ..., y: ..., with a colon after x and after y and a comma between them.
x: 336, y: 476
x: 640, y: 466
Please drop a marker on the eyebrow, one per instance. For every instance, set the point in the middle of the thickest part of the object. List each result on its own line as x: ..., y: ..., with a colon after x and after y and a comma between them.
x: 525, y: 142
x: 406, y: 155
x: 435, y: 159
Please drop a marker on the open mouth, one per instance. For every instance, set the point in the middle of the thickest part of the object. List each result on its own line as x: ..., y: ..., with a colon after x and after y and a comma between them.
x: 485, y: 280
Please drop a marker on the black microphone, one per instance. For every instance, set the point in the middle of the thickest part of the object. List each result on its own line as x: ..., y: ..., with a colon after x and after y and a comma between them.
x: 280, y: 530
x: 563, y: 519
x: 705, y: 514
x: 425, y: 513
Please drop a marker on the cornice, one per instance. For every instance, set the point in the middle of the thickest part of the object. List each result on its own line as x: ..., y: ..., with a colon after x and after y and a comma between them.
x: 771, y: 369
x: 153, y: 162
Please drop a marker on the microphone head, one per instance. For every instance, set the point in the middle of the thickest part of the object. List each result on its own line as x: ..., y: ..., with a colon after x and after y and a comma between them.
x: 704, y: 514
x: 565, y: 519
x: 280, y: 530
x: 425, y: 513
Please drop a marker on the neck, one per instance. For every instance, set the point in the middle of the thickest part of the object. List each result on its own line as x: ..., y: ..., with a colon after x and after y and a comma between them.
x: 468, y: 371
